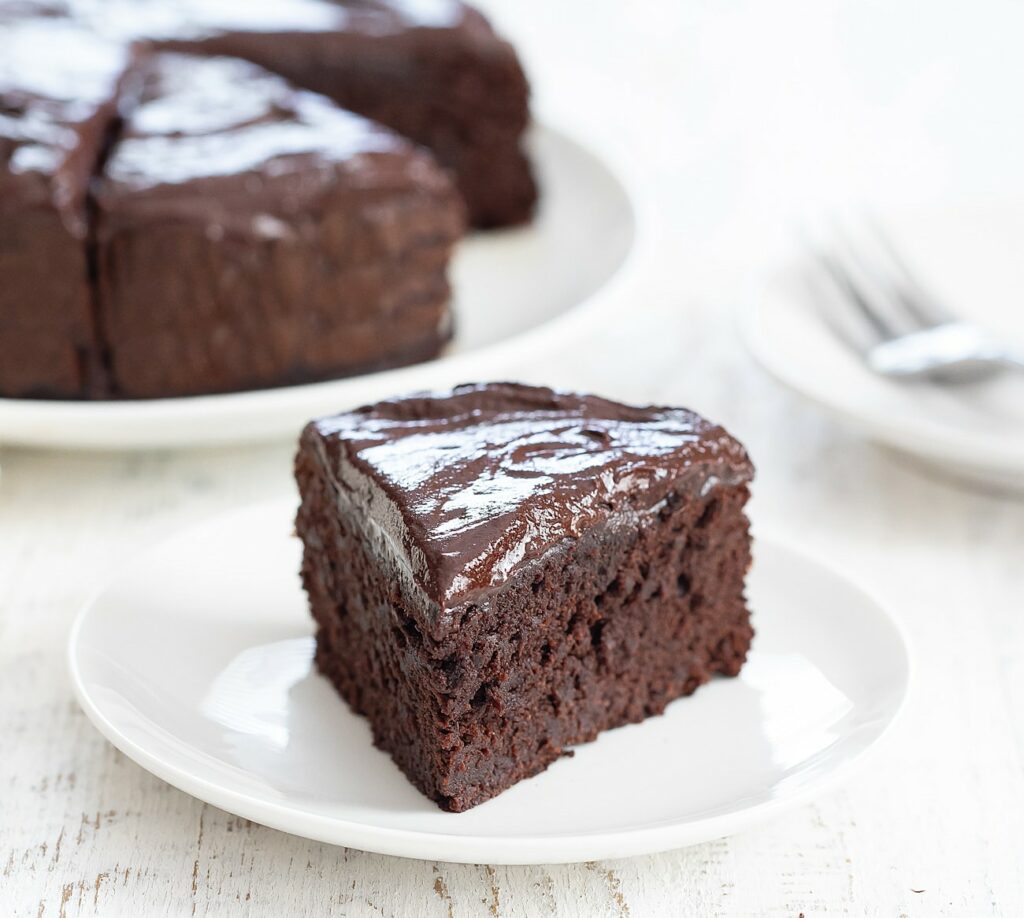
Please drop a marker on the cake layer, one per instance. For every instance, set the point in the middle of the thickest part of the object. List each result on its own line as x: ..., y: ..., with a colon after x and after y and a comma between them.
x: 308, y: 242
x: 58, y: 88
x: 602, y: 552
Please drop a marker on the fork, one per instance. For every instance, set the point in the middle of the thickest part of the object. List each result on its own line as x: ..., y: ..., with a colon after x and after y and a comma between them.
x: 874, y: 302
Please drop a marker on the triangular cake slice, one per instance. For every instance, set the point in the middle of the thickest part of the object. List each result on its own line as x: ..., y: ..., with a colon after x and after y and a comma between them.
x: 251, y: 234
x: 502, y: 571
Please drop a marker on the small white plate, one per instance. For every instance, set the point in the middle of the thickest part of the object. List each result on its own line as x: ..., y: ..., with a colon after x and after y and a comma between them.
x: 196, y: 663
x: 970, y: 257
x: 516, y: 291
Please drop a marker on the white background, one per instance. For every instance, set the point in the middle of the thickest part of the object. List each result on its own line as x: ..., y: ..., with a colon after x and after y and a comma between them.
x: 732, y: 118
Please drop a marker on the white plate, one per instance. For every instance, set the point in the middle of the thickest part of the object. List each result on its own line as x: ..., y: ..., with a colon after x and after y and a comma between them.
x: 196, y: 664
x: 970, y: 257
x: 515, y: 291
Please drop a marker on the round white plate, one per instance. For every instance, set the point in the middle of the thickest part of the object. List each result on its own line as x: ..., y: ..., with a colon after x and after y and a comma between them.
x: 196, y: 663
x: 515, y: 291
x: 970, y: 257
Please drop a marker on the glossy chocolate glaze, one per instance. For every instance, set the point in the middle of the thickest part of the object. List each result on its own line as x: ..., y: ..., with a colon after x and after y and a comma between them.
x: 431, y: 70
x: 462, y: 488
x: 58, y: 89
x: 197, y: 125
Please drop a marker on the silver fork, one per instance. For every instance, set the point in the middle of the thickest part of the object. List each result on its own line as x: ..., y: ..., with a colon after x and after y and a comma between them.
x: 873, y: 301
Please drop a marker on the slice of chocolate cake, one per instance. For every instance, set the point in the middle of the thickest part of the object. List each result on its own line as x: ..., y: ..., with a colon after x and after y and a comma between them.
x: 432, y: 70
x: 500, y: 572
x: 251, y: 234
x: 58, y: 87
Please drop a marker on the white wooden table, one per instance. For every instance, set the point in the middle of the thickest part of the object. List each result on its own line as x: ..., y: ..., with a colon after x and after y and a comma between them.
x: 730, y: 116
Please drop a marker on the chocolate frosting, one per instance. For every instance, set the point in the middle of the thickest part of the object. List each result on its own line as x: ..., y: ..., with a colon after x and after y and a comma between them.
x: 224, y: 141
x: 463, y: 488
x: 58, y: 86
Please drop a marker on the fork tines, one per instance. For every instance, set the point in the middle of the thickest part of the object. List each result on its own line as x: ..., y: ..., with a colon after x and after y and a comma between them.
x: 865, y: 289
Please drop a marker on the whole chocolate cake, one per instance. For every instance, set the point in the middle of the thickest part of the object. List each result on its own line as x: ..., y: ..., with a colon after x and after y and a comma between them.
x: 500, y: 572
x: 162, y: 236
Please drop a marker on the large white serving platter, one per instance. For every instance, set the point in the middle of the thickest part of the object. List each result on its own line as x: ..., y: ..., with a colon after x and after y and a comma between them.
x: 196, y: 663
x: 515, y: 291
x: 969, y: 256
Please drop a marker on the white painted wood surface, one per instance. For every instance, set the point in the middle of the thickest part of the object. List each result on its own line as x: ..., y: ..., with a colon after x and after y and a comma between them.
x: 731, y: 117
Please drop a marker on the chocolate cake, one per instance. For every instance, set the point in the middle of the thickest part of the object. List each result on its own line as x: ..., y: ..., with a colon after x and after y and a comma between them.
x: 316, y: 243
x: 137, y: 275
x: 500, y: 572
